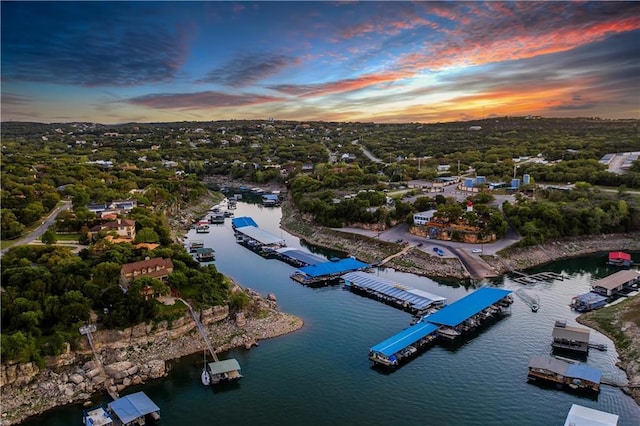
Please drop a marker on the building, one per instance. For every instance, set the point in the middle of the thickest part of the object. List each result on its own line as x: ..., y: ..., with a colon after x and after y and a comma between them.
x: 574, y: 376
x: 614, y: 283
x: 618, y: 258
x: 588, y: 302
x: 125, y: 228
x: 585, y: 416
x: 423, y: 218
x: 570, y: 338
x: 157, y: 267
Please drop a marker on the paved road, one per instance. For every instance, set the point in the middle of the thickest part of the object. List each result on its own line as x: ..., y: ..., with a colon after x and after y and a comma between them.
x: 66, y: 205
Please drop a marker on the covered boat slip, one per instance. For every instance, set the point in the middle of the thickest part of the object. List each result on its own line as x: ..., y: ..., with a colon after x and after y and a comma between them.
x: 323, y: 273
x: 260, y: 236
x: 570, y: 338
x: 226, y: 370
x: 405, y: 297
x: 609, y: 286
x: 240, y: 222
x: 447, y: 323
x: 298, y: 258
x: 585, y: 416
x: 407, y: 342
x: 131, y: 408
x: 575, y: 376
x: 469, y: 312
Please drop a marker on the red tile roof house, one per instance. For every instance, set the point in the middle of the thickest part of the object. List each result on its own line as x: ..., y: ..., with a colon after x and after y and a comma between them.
x: 158, y: 268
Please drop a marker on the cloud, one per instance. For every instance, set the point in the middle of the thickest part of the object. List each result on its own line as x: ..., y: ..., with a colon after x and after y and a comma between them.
x: 71, y: 45
x: 338, y: 86
x: 9, y: 99
x: 246, y: 69
x: 199, y: 100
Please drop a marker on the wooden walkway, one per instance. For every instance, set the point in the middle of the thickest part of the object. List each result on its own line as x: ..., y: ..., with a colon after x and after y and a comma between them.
x: 87, y: 330
x: 201, y: 329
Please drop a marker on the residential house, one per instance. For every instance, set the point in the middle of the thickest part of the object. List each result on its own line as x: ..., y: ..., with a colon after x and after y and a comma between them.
x: 158, y: 268
x: 125, y: 228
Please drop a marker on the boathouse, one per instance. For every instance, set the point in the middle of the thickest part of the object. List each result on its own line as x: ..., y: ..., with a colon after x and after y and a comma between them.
x: 469, y: 312
x: 574, y: 376
x: 584, y: 416
x: 395, y: 294
x: 298, y: 258
x: 326, y: 272
x: 614, y: 283
x: 259, y: 239
x: 239, y: 222
x: 618, y: 258
x: 398, y: 348
x: 588, y: 302
x: 227, y: 370
x: 570, y: 338
x: 205, y: 254
x: 128, y: 410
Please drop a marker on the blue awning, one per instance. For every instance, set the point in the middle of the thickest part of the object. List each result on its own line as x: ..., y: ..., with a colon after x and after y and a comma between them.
x: 331, y: 268
x: 405, y: 338
x: 239, y: 222
x: 460, y: 310
x: 302, y: 256
x: 584, y: 372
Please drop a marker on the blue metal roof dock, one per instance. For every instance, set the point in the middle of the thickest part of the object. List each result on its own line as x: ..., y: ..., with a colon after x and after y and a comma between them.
x: 239, y: 222
x: 454, y: 314
x: 447, y: 323
x: 132, y: 407
x: 322, y: 273
x: 395, y: 294
x: 403, y: 344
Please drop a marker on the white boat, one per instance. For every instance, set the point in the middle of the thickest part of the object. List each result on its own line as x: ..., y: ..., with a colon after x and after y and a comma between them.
x: 205, y: 377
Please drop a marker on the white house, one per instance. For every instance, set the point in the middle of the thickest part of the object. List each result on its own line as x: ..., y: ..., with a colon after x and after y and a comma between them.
x: 423, y: 218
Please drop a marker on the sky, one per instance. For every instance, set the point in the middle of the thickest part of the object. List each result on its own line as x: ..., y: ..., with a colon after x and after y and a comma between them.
x: 387, y: 62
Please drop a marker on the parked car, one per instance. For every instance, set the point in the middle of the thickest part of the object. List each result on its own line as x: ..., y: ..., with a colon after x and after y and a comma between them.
x: 439, y: 251
x: 476, y: 251
x: 399, y: 240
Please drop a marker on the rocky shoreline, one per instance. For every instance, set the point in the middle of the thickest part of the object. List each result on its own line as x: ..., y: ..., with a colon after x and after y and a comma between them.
x: 133, y: 356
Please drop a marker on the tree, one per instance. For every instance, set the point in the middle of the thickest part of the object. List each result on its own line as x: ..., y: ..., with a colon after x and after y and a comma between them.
x: 49, y: 237
x: 106, y: 274
x: 147, y: 235
x: 10, y: 226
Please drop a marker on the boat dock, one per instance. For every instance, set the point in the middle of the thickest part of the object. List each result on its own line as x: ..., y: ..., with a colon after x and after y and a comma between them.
x: 298, y: 258
x: 194, y: 245
x: 538, y: 277
x: 128, y: 410
x: 397, y: 295
x: 570, y: 338
x: 448, y: 323
x: 326, y: 273
x: 255, y: 239
x: 205, y: 254
x: 572, y: 375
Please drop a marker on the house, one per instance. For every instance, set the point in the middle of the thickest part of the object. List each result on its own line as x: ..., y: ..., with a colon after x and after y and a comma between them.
x: 423, y: 218
x: 157, y: 267
x: 125, y: 228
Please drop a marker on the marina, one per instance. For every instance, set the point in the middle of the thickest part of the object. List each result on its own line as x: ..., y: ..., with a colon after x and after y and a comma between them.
x: 448, y: 323
x: 485, y: 370
x: 298, y: 258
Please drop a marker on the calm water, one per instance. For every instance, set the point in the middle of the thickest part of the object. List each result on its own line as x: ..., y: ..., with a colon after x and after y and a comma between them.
x: 320, y: 375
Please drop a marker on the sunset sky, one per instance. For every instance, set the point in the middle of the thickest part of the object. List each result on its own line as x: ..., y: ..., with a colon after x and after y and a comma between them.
x: 113, y: 62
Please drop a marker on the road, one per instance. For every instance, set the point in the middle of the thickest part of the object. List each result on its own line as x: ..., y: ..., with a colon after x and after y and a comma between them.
x: 33, y: 235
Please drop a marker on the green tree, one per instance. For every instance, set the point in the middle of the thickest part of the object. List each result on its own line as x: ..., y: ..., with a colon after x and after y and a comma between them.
x: 49, y: 237
x: 147, y: 235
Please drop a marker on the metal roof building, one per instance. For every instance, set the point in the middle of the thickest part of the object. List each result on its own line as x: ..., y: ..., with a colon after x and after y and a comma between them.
x: 239, y: 222
x: 405, y: 338
x: 584, y: 416
x: 331, y: 268
x: 300, y: 256
x: 460, y: 310
x: 616, y: 282
x: 132, y: 407
x: 381, y: 287
x: 261, y: 236
x: 224, y: 366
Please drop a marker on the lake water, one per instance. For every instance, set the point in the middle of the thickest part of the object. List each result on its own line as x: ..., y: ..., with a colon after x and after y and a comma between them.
x: 321, y: 375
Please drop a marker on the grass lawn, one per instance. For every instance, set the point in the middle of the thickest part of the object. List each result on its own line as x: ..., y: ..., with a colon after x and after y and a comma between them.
x: 68, y: 237
x: 171, y: 312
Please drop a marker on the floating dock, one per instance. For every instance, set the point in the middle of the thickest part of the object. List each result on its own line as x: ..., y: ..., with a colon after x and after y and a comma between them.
x: 448, y: 323
x: 227, y: 370
x: 403, y: 345
x: 298, y: 258
x: 205, y: 254
x: 128, y: 410
x: 194, y: 245
x: 398, y: 295
x: 242, y: 221
x: 255, y: 239
x: 573, y: 376
x: 585, y: 416
x: 588, y: 302
x: 570, y: 338
x: 539, y: 277
x: 327, y: 272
